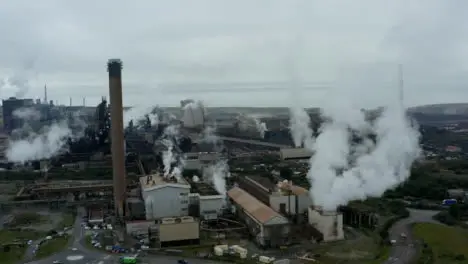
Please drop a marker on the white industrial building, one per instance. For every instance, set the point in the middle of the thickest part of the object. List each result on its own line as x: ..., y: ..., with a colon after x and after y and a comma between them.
x: 268, y: 227
x: 295, y: 153
x: 164, y: 197
x: 329, y: 223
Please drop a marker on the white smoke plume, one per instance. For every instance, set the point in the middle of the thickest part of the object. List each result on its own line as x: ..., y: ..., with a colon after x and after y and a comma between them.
x: 18, y: 84
x: 219, y: 172
x: 193, y: 113
x: 170, y: 156
x: 247, y: 122
x: 27, y: 114
x: 299, y: 125
x: 342, y: 170
x: 138, y: 113
x: 40, y: 146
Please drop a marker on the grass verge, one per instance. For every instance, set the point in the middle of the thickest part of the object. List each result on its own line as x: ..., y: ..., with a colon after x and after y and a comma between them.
x: 17, y: 241
x: 67, y: 220
x: 52, y: 246
x: 442, y: 244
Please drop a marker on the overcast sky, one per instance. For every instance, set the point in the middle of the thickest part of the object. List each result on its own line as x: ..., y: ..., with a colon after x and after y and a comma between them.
x: 173, y: 49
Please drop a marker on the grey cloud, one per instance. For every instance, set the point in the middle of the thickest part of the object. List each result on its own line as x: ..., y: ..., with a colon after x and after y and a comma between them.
x: 352, y: 45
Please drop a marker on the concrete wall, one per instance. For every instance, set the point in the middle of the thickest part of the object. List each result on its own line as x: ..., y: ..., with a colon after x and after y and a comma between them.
x: 166, y: 202
x: 179, y: 231
x: 211, y: 206
x: 138, y: 227
x: 329, y: 224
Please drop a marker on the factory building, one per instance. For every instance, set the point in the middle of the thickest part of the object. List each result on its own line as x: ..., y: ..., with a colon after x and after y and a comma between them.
x: 205, y: 202
x: 268, y: 227
x: 329, y: 223
x: 284, y: 197
x: 138, y: 227
x: 3, y: 146
x: 197, y: 160
x: 164, y: 197
x: 10, y: 122
x: 175, y: 231
x: 295, y: 153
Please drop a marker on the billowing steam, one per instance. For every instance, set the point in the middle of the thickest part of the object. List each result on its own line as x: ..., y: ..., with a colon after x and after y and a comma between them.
x: 217, y: 172
x: 27, y: 144
x: 40, y: 146
x: 18, y: 85
x: 249, y: 122
x: 356, y: 158
x: 173, y: 159
x: 299, y: 125
x: 193, y: 113
x: 27, y: 114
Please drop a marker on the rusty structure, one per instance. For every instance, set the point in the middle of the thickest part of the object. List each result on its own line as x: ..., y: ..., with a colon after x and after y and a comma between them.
x: 114, y: 67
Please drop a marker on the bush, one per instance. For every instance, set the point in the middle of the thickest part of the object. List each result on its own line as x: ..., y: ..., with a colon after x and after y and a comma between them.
x: 384, y: 230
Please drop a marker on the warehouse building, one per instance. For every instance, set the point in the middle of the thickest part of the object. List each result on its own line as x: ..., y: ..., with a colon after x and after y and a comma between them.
x: 175, y: 231
x: 329, y: 223
x: 284, y: 197
x: 164, y: 197
x: 205, y: 202
x: 268, y: 227
x: 295, y: 153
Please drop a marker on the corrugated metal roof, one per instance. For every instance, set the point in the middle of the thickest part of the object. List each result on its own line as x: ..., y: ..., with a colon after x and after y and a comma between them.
x: 291, y: 153
x: 254, y: 207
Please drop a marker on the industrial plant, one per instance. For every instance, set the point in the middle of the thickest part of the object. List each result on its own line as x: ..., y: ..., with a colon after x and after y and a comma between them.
x: 173, y: 176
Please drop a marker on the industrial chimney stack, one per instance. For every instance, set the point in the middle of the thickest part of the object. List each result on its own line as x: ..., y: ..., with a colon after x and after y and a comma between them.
x: 114, y: 67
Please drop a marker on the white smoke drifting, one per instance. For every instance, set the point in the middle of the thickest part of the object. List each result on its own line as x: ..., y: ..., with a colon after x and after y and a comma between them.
x: 139, y: 113
x: 170, y: 156
x: 299, y: 125
x: 193, y: 113
x: 248, y: 122
x: 27, y: 114
x: 342, y: 170
x: 219, y: 172
x: 39, y: 146
x: 18, y: 85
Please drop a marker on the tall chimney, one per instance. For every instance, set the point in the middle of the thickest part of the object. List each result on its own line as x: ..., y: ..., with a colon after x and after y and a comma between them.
x: 114, y: 67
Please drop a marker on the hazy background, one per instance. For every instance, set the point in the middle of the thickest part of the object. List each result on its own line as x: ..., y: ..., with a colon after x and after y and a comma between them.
x: 173, y: 49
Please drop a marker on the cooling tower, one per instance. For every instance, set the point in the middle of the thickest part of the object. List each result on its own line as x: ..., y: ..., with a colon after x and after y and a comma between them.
x: 114, y: 67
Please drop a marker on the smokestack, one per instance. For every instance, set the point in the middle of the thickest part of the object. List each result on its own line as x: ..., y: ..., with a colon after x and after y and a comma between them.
x: 70, y: 101
x: 114, y: 67
x: 84, y: 101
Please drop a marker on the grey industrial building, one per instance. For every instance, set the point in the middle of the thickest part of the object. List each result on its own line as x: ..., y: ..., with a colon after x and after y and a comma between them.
x: 284, y: 197
x: 268, y: 227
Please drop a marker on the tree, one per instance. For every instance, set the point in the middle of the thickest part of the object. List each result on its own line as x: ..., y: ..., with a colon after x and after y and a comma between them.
x: 455, y: 210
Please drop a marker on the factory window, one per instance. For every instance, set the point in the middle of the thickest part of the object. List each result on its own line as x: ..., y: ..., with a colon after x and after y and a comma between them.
x: 184, y: 202
x: 183, y: 194
x: 184, y: 209
x: 210, y: 212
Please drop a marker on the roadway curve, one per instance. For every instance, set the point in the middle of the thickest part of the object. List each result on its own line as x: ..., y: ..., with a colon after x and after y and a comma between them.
x: 77, y: 253
x: 404, y: 250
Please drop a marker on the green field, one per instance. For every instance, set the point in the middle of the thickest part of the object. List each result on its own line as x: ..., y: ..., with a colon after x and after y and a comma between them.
x: 52, y: 246
x: 446, y: 244
x: 16, y: 253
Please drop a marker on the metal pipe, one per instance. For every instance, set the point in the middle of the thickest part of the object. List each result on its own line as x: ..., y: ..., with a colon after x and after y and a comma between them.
x: 114, y: 67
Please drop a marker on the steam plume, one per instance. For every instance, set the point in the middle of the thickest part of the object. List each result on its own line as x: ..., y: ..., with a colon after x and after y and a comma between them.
x: 18, y: 85
x: 218, y: 171
x: 343, y: 169
x: 171, y: 156
x: 27, y: 114
x: 40, y: 146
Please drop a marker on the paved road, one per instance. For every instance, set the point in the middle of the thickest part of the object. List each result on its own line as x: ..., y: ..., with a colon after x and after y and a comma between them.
x: 77, y: 253
x: 404, y: 250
